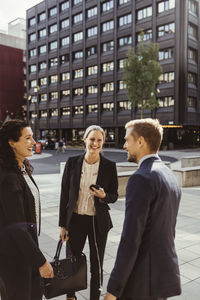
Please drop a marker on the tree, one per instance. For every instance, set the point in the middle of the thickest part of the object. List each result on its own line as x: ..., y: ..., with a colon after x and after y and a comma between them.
x: 141, y: 74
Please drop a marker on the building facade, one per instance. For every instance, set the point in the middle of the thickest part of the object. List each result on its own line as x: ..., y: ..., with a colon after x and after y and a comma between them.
x: 12, y: 76
x: 75, y: 55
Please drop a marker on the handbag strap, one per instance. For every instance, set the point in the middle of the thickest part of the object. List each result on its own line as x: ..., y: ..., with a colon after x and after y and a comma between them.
x: 59, y: 247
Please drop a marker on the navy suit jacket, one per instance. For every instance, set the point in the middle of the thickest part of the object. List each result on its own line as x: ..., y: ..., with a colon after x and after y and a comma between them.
x: 146, y: 265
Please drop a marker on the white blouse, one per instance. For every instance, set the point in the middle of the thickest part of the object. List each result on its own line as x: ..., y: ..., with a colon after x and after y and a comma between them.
x: 85, y: 203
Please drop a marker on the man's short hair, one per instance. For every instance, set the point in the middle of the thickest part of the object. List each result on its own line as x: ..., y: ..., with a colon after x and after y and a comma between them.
x: 150, y: 129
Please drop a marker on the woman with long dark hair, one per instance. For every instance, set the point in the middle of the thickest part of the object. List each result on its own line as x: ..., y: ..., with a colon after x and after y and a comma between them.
x: 21, y: 261
x: 84, y: 209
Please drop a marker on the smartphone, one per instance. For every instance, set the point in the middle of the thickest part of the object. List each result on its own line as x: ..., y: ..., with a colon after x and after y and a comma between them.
x: 96, y: 186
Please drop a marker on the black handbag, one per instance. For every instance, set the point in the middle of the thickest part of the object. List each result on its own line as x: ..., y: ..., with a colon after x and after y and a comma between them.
x: 70, y: 274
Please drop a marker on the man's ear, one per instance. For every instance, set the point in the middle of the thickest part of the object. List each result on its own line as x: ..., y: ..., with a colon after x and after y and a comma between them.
x: 141, y: 140
x: 11, y: 143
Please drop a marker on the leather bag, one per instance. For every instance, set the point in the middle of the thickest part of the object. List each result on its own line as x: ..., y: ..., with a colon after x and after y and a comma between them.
x: 70, y: 274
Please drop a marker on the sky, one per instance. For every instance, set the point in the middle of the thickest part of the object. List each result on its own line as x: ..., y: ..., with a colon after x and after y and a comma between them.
x: 13, y: 9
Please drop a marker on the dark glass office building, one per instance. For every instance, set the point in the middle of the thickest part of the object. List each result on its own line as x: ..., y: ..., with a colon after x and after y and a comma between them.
x: 75, y: 55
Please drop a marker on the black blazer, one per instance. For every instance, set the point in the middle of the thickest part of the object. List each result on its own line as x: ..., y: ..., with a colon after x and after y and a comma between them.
x: 107, y: 179
x: 146, y: 265
x: 18, y: 234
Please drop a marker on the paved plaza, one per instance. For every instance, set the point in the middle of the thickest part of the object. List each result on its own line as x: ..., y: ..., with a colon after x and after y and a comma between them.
x: 187, y: 233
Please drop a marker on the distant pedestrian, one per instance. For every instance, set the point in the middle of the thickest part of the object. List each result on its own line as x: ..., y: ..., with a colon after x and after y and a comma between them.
x: 60, y: 147
x: 146, y: 265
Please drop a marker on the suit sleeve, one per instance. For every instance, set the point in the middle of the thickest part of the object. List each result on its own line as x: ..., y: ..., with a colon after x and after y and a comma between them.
x: 138, y: 199
x: 111, y: 193
x: 64, y: 197
x: 17, y: 230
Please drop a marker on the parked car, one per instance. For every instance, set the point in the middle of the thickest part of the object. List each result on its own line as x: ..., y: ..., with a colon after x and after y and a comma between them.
x: 49, y: 145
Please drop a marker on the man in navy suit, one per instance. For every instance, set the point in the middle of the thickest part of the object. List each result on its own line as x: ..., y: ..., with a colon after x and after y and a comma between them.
x: 146, y: 267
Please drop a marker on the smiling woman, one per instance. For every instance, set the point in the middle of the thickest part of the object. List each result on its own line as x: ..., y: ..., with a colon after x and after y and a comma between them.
x: 21, y: 261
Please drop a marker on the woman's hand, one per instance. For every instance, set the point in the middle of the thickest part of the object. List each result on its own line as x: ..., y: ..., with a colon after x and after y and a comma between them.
x: 46, y: 270
x: 98, y: 193
x: 63, y: 234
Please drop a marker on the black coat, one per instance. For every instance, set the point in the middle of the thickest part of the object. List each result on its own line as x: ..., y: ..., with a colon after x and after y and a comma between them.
x: 146, y: 265
x: 19, y: 251
x: 107, y: 179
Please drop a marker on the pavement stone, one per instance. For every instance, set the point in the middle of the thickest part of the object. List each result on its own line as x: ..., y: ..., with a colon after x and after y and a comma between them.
x: 187, y: 233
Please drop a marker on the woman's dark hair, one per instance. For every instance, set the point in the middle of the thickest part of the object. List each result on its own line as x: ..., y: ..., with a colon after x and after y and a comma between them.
x: 12, y: 130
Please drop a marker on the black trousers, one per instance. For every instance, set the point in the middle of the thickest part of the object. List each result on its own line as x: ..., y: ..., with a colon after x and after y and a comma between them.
x: 81, y: 227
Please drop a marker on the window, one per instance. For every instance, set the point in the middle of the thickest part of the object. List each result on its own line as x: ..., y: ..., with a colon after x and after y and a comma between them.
x: 64, y: 59
x: 32, y: 21
x: 43, y: 114
x: 64, y: 41
x: 33, y: 83
x: 127, y: 40
x: 121, y: 63
x: 92, y: 12
x: 78, y: 55
x: 165, y: 5
x: 121, y: 85
x: 193, y: 7
x: 77, y: 18
x: 64, y: 5
x: 192, y: 78
x: 65, y: 111
x: 53, y: 79
x: 166, y: 53
x: 166, y: 101
x: 91, y: 51
x: 65, y: 93
x: 78, y: 91
x: 192, y: 102
x: 92, y: 108
x: 77, y: 1
x: 166, y: 29
x: 78, y: 73
x: 78, y: 110
x: 32, y: 68
x: 42, y: 49
x: 65, y: 76
x: 53, y: 11
x: 124, y: 105
x: 43, y: 97
x: 53, y: 28
x: 43, y: 81
x: 127, y: 19
x: 78, y: 36
x: 92, y: 31
x: 32, y: 52
x: 64, y: 23
x: 93, y: 70
x: 107, y: 5
x: 107, y: 26
x: 144, y: 13
x: 108, y: 87
x: 107, y: 67
x: 107, y: 107
x: 42, y: 33
x: 121, y: 2
x: 32, y: 37
x: 192, y: 54
x: 53, y: 112
x: 42, y: 17
x: 53, y: 62
x: 42, y: 65
x: 92, y: 89
x: 192, y: 30
x: 53, y: 45
x: 53, y: 95
x: 108, y: 46
x: 166, y: 77
x: 33, y: 99
x: 33, y: 114
x: 147, y: 35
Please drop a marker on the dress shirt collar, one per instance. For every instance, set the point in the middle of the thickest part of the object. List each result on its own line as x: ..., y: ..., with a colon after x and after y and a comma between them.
x: 146, y: 157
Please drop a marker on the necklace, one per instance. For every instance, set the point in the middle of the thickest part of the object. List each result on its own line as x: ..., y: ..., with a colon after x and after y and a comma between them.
x: 23, y: 169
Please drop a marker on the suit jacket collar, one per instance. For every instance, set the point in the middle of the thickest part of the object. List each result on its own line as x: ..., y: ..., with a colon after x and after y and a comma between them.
x: 149, y: 160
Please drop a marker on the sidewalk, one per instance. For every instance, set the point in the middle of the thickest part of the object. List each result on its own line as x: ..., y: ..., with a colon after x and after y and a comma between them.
x: 187, y: 234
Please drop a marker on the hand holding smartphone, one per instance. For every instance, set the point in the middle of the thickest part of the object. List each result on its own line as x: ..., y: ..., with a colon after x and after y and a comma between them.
x: 96, y: 186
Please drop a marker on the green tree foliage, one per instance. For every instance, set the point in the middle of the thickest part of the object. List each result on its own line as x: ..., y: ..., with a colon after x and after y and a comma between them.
x: 141, y: 74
